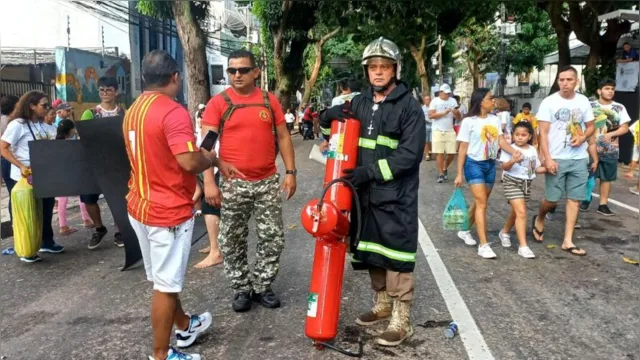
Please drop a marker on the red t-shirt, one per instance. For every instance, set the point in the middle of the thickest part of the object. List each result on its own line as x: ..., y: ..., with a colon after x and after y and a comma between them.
x: 156, y: 129
x: 247, y: 140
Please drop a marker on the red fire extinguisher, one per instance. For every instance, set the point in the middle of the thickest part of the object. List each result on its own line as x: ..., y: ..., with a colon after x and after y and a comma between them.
x: 328, y: 221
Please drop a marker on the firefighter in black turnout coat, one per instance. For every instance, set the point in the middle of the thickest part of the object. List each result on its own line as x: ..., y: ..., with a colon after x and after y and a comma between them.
x: 391, y: 146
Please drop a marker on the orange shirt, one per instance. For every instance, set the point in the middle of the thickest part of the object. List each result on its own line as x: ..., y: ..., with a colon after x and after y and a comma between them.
x: 156, y: 129
x: 247, y: 140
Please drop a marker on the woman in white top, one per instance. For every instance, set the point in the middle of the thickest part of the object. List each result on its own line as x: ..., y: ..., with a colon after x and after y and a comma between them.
x: 480, y: 139
x: 26, y: 125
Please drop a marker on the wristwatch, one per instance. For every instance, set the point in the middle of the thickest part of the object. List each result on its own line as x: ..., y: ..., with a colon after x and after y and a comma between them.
x: 293, y: 172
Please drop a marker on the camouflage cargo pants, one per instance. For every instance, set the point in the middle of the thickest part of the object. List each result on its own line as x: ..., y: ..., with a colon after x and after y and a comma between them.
x: 241, y: 199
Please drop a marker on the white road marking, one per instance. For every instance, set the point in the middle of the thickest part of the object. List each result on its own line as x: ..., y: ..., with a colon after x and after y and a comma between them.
x: 469, y: 333
x: 615, y: 202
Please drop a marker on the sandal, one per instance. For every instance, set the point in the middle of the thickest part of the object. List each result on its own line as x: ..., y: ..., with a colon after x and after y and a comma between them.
x: 538, y: 235
x: 572, y: 250
x: 67, y: 231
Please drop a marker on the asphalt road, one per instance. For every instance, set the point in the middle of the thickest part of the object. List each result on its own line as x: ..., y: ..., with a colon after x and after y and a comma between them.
x: 78, y: 305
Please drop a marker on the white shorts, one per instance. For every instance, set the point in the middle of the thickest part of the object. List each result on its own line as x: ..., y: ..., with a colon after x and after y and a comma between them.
x: 443, y: 142
x: 636, y: 154
x: 165, y: 252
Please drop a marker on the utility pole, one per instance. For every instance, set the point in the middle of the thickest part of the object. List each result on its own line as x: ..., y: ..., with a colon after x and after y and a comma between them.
x: 503, y: 30
x: 102, y: 35
x: 68, y: 32
x: 440, y: 59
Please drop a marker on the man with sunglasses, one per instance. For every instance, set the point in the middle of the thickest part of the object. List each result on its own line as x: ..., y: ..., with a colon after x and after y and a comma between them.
x: 108, y: 107
x: 252, y: 128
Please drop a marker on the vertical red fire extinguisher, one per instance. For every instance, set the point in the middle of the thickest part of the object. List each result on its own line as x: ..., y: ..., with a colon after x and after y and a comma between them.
x: 328, y: 221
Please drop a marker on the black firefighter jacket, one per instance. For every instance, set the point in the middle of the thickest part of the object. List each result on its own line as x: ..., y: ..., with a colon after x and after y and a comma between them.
x: 392, y: 145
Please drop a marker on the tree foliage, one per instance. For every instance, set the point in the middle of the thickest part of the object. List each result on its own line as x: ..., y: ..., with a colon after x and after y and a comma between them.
x: 479, y: 46
x: 526, y: 51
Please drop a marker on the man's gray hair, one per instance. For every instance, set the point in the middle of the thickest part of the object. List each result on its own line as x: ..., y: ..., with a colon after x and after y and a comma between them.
x: 158, y: 67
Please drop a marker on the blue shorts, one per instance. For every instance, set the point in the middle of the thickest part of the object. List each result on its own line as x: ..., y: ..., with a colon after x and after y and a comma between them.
x: 480, y: 172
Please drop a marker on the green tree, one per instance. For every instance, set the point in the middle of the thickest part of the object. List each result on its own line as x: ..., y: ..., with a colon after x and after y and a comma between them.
x: 526, y: 51
x: 287, y: 24
x: 316, y: 47
x: 190, y: 18
x: 479, y: 46
x: 341, y: 47
x: 413, y: 25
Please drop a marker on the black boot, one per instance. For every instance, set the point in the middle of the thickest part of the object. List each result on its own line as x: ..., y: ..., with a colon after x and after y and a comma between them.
x: 268, y: 299
x: 241, y: 301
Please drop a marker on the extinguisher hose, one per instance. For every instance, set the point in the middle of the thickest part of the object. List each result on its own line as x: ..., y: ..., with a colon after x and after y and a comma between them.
x: 333, y: 346
x: 357, y: 205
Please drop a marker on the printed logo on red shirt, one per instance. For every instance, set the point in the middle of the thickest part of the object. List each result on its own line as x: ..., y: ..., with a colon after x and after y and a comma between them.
x: 264, y: 116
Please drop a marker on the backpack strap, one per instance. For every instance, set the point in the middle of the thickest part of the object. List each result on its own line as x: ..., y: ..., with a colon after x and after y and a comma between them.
x: 267, y: 104
x: 227, y: 113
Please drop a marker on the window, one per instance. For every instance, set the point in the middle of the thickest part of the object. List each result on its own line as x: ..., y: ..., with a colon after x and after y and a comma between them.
x: 217, y: 74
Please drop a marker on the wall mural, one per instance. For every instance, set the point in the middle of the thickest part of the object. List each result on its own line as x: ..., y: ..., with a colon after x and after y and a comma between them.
x: 77, y: 74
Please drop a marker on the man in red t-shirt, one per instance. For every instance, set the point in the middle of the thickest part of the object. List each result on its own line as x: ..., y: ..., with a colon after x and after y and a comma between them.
x: 247, y: 141
x: 164, y: 163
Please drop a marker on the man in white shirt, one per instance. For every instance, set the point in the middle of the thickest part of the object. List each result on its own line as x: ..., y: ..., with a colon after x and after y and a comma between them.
x: 443, y: 110
x: 426, y: 101
x: 289, y: 118
x: 565, y: 121
x: 611, y: 121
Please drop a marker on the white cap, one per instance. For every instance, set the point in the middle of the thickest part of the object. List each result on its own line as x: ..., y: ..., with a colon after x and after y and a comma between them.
x: 445, y: 88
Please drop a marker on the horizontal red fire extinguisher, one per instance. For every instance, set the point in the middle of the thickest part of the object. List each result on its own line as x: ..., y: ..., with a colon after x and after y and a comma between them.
x: 328, y: 221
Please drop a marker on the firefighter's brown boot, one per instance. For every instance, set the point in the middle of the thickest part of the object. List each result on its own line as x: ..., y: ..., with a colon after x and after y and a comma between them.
x: 382, y: 308
x: 400, y: 326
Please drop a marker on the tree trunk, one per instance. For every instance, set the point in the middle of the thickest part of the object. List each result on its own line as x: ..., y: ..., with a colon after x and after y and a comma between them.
x: 315, y: 71
x: 194, y: 43
x: 476, y: 75
x: 563, y: 29
x: 418, y: 56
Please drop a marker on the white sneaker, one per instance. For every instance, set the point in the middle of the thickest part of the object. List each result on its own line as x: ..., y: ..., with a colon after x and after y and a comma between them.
x: 486, y: 252
x: 466, y: 236
x: 505, y: 239
x: 526, y: 252
x: 197, y: 325
x: 174, y: 354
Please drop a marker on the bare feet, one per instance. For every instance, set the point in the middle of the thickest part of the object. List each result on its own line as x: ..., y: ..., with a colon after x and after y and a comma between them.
x: 205, y: 250
x: 211, y: 260
x: 628, y: 175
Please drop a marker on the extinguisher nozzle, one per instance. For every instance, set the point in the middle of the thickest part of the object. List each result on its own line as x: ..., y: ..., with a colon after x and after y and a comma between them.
x: 331, y: 345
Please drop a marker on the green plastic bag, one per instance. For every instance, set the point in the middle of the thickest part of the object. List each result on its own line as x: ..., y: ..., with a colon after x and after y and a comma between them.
x: 456, y: 216
x: 27, y: 219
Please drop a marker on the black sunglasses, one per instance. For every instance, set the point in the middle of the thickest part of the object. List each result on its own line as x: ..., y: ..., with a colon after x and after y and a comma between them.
x: 242, y: 70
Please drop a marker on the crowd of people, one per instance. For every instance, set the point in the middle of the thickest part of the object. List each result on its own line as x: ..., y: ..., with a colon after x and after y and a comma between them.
x: 570, y: 139
x: 33, y: 117
x: 173, y: 178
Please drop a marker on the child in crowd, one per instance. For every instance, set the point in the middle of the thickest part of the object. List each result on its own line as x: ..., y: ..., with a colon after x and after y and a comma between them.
x: 66, y: 131
x: 63, y: 111
x: 526, y: 115
x: 518, y: 176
